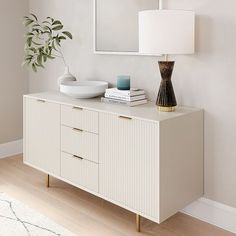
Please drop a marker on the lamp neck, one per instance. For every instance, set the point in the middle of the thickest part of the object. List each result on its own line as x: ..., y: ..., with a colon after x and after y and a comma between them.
x: 166, y: 57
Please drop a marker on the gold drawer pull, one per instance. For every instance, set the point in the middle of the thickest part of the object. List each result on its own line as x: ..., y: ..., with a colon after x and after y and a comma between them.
x: 40, y: 100
x: 78, y: 157
x: 78, y: 108
x: 79, y: 130
x: 125, y: 117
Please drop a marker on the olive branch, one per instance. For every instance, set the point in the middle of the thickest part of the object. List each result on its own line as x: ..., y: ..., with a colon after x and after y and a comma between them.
x: 43, y: 41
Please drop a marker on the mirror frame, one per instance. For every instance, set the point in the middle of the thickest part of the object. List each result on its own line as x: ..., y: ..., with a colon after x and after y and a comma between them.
x: 96, y: 51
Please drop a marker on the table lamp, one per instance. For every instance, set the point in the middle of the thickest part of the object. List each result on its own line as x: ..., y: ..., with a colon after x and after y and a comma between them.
x: 164, y: 32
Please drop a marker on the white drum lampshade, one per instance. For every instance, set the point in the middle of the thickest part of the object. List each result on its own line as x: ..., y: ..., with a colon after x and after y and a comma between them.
x: 166, y: 32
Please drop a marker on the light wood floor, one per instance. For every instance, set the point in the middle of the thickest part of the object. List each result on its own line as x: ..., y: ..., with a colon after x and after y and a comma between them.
x: 84, y: 214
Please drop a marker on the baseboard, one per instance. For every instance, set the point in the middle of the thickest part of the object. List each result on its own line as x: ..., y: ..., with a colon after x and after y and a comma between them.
x: 214, y: 213
x: 11, y: 148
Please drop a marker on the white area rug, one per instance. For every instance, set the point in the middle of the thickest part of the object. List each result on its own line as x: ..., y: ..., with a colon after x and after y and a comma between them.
x: 16, y: 219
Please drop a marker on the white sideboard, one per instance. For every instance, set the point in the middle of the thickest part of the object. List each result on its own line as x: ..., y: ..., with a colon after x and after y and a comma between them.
x: 148, y: 162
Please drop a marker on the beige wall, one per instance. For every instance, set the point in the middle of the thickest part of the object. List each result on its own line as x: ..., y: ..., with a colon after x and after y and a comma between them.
x: 13, y: 78
x: 206, y: 79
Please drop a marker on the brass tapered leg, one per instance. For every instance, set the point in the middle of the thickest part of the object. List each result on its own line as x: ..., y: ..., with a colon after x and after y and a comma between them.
x: 138, y: 223
x: 47, y: 183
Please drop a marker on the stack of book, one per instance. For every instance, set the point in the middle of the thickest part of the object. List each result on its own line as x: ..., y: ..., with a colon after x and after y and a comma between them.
x: 132, y: 97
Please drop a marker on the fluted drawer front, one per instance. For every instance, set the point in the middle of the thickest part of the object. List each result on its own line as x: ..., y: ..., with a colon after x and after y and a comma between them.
x: 129, y: 162
x: 77, y: 117
x: 79, y: 142
x: 79, y: 171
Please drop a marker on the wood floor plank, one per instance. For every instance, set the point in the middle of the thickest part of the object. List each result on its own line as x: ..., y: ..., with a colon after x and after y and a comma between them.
x: 85, y: 214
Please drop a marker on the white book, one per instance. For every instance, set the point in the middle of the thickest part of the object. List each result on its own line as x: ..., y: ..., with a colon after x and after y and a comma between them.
x: 125, y: 98
x: 120, y: 102
x: 128, y: 93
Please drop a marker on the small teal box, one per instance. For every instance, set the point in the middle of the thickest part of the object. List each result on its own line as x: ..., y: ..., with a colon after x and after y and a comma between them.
x: 123, y: 82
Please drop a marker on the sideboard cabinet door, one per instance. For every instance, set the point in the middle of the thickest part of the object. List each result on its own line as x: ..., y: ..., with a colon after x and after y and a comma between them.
x: 129, y: 163
x: 42, y: 135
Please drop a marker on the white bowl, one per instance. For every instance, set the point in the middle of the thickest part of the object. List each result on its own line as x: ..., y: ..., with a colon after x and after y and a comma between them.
x: 83, y: 89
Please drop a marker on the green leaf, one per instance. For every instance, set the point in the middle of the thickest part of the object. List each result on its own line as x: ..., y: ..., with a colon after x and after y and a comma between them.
x: 58, y: 27
x: 29, y: 41
x: 34, y: 67
x: 57, y: 22
x: 28, y: 57
x: 47, y: 28
x: 49, y: 50
x: 40, y: 59
x: 35, y: 25
x: 34, y: 16
x: 58, y: 41
x: 62, y: 38
x: 68, y: 34
x: 44, y: 57
x: 50, y: 18
x: 29, y: 34
x: 27, y: 60
x: 53, y: 45
x: 46, y: 50
x: 39, y: 65
x: 33, y: 50
x: 36, y: 30
x: 28, y: 22
x: 50, y: 57
x: 37, y: 44
x: 46, y: 22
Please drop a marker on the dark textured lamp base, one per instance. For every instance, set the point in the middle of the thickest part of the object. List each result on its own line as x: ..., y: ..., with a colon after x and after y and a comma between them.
x: 166, y: 101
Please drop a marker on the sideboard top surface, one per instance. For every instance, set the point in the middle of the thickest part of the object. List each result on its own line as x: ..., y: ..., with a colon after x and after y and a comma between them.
x: 147, y: 111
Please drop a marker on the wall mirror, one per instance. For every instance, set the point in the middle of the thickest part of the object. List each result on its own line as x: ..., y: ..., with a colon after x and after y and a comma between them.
x: 116, y: 25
